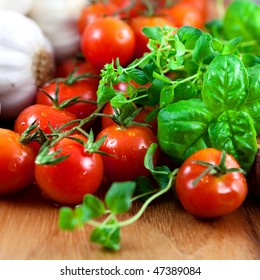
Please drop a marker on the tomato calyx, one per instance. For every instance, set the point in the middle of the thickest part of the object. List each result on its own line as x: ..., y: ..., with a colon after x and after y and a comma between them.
x: 66, y: 103
x: 33, y: 133
x: 215, y: 169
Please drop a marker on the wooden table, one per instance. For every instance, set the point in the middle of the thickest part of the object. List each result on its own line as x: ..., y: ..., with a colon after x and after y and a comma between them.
x: 29, y: 230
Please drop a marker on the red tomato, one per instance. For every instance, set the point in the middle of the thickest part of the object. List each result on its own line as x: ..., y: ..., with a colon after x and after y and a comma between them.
x: 77, y: 64
x: 185, y: 14
x: 68, y: 181
x: 199, y: 5
x: 107, y: 39
x: 91, y: 12
x: 128, y: 147
x: 44, y: 116
x: 137, y: 25
x: 126, y: 9
x: 85, y: 89
x: 213, y: 195
x: 16, y: 162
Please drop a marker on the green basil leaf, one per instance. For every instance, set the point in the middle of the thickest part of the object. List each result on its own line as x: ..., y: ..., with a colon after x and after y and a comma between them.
x: 250, y: 60
x: 234, y: 132
x: 242, y: 19
x: 203, y: 51
x: 180, y: 125
x: 188, y: 35
x: 138, y: 76
x: 232, y: 45
x: 154, y: 33
x: 225, y: 84
x: 185, y: 91
x: 118, y: 101
x: 252, y: 105
x: 166, y: 96
x: 105, y: 94
x: 118, y: 198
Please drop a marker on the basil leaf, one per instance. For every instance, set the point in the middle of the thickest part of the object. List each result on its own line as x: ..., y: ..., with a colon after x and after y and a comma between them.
x: 252, y: 105
x: 154, y: 33
x: 180, y: 125
x: 203, y: 51
x: 234, y: 132
x: 225, y: 84
x: 188, y: 35
x: 242, y: 19
x: 138, y: 76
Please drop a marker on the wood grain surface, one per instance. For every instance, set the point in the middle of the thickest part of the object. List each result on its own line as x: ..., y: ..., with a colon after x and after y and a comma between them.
x: 29, y: 231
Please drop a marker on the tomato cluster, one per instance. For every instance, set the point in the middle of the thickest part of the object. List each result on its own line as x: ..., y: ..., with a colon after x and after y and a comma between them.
x: 66, y: 112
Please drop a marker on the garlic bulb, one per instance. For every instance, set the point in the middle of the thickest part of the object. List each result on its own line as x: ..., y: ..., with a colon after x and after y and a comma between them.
x: 58, y: 20
x: 21, y: 6
x: 26, y: 61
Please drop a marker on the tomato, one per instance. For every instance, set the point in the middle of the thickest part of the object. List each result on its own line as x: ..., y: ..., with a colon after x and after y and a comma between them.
x: 68, y: 181
x: 137, y: 25
x: 128, y: 147
x: 107, y: 39
x: 16, y: 162
x: 129, y: 8
x: 91, y: 12
x: 185, y: 14
x: 199, y: 5
x: 85, y: 89
x: 45, y: 116
x: 213, y: 195
x: 77, y: 64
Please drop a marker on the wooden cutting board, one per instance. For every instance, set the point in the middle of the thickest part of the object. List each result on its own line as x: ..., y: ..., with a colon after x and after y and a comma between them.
x: 29, y: 230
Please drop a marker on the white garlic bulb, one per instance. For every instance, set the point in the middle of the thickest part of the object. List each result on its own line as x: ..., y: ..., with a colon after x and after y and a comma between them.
x: 26, y: 61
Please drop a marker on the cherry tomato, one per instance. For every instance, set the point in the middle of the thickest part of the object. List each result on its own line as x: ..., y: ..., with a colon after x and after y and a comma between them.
x: 105, y: 40
x: 16, y: 162
x: 45, y: 116
x: 199, y: 5
x: 185, y: 14
x: 128, y: 147
x: 137, y: 25
x: 214, y: 194
x: 91, y: 12
x: 68, y: 181
x: 78, y: 64
x: 129, y: 8
x: 85, y: 89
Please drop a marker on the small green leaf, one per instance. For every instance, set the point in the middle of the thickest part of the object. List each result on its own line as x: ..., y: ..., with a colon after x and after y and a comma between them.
x: 232, y: 45
x: 118, y: 101
x: 154, y: 33
x: 166, y: 96
x: 66, y: 219
x: 94, y: 206
x: 162, y: 174
x: 105, y: 94
x: 188, y: 35
x: 203, y: 48
x: 148, y: 159
x: 138, y: 76
x: 118, y: 197
x: 107, y: 237
x: 179, y: 47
